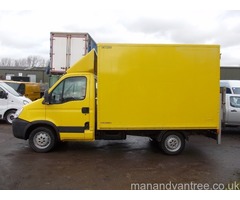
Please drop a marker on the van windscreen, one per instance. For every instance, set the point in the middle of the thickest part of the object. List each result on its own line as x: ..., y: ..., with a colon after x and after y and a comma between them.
x: 236, y: 90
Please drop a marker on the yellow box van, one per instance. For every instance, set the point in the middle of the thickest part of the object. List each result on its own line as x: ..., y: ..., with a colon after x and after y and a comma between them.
x: 156, y: 91
x: 28, y: 89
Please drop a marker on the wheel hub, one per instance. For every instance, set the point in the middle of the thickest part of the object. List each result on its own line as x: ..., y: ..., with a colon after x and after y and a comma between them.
x: 173, y: 143
x: 42, y: 140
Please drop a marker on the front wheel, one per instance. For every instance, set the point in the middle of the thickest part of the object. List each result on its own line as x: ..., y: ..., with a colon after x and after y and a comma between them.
x: 172, y: 143
x: 42, y: 139
x: 9, y: 116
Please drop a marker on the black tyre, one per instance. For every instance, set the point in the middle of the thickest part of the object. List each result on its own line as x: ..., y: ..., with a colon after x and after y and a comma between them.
x: 9, y: 116
x: 172, y: 143
x: 42, y: 139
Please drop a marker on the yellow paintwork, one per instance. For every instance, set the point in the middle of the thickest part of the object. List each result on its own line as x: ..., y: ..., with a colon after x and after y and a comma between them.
x: 86, y: 64
x: 158, y: 86
x: 140, y: 87
x: 33, y: 111
x: 69, y: 114
x: 66, y: 114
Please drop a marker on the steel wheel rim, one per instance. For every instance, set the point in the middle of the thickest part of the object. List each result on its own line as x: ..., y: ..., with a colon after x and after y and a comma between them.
x: 42, y: 140
x: 10, y: 117
x: 173, y: 143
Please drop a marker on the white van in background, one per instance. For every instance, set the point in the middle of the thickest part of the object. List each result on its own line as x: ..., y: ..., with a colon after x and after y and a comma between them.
x: 10, y: 102
x: 232, y: 86
x: 231, y: 113
x: 231, y: 103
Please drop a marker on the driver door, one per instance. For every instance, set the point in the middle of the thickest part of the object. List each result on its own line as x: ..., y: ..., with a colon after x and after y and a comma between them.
x: 69, y: 107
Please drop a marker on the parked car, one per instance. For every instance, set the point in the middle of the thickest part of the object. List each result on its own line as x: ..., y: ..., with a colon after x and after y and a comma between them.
x: 10, y: 102
x: 28, y: 89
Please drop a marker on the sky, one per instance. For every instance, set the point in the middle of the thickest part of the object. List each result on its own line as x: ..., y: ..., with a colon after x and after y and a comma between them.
x: 25, y: 28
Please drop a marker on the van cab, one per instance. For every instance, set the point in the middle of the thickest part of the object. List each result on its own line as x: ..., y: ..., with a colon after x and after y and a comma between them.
x: 10, y: 102
x: 28, y: 89
x: 232, y: 86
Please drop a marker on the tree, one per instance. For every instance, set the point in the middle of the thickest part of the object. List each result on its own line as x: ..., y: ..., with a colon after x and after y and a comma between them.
x: 30, y: 61
x: 7, y: 62
x: 20, y: 62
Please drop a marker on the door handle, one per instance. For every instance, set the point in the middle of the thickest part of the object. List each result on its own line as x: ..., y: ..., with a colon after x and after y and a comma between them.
x: 85, y: 110
x: 233, y: 110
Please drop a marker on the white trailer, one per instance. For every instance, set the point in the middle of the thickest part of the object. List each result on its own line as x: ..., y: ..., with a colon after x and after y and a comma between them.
x: 67, y: 48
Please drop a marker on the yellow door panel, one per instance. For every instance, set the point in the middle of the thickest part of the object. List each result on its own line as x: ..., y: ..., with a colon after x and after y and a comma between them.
x: 69, y: 107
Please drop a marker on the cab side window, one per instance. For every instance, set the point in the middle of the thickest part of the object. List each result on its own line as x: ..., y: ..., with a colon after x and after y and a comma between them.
x: 56, y: 95
x: 21, y: 89
x: 235, y: 102
x: 228, y: 91
x: 70, y: 89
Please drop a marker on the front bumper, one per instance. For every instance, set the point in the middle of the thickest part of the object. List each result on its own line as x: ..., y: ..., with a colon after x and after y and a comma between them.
x: 19, y: 128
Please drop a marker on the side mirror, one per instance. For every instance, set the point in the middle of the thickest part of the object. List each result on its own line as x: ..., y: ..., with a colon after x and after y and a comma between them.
x: 46, y: 97
x: 3, y: 95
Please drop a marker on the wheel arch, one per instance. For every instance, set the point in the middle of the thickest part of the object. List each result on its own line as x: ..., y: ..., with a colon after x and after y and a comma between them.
x: 10, y: 109
x: 46, y: 124
x: 185, y: 134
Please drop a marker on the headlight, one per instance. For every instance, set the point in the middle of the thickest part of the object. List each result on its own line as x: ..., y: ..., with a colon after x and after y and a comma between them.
x: 17, y: 113
x: 25, y: 102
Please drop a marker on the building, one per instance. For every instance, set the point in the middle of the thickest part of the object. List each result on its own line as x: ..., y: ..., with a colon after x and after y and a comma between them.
x: 35, y: 74
x: 230, y: 73
x: 38, y: 74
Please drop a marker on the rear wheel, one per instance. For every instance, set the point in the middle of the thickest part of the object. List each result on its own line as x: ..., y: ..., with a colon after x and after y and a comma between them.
x: 42, y: 139
x: 172, y: 143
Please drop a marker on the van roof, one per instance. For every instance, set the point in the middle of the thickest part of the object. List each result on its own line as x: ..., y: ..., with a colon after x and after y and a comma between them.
x: 230, y: 81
